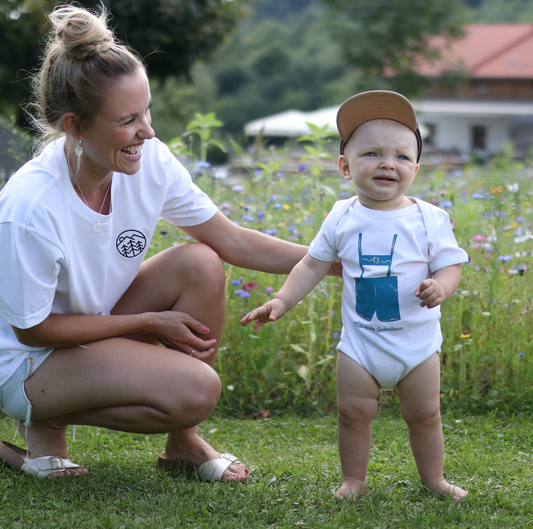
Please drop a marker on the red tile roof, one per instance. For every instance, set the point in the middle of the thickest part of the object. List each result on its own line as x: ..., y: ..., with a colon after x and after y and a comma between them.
x: 491, y: 51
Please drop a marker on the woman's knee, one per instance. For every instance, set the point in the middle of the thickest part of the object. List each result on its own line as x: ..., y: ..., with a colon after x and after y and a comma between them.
x: 202, y: 265
x: 199, y: 399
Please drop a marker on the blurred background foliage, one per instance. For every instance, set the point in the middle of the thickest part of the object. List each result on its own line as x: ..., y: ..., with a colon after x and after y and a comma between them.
x: 245, y: 59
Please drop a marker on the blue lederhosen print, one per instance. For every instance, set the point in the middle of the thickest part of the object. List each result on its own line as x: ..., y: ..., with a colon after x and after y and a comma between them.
x: 377, y: 295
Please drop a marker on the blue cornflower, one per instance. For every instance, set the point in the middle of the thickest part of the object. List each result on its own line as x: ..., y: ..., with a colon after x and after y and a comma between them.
x: 242, y: 293
x: 446, y: 204
x: 505, y: 258
x: 235, y: 282
x: 261, y: 214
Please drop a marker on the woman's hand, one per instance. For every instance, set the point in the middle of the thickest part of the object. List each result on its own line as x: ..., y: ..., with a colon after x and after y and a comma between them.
x: 177, y: 330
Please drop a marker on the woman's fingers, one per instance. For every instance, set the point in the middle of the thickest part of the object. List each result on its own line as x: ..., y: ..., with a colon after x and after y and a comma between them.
x: 193, y: 324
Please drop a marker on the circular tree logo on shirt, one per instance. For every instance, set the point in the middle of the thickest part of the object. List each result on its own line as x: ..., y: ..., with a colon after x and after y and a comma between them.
x: 131, y: 243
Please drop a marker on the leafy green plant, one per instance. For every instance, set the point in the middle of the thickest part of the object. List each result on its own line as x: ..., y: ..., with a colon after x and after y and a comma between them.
x: 203, y: 125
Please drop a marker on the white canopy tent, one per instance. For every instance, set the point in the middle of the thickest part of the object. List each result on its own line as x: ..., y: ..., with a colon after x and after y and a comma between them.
x: 293, y: 123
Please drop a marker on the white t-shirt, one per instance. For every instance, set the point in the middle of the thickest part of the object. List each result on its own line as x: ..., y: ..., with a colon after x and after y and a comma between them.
x: 385, y: 256
x: 53, y: 261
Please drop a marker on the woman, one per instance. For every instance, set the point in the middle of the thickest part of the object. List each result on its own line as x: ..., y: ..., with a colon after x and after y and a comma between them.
x: 82, y: 316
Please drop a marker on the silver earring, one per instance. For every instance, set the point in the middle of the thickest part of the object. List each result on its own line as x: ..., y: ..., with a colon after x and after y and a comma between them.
x: 78, y: 149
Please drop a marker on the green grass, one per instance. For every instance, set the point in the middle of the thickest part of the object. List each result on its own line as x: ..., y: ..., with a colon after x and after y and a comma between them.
x: 295, y: 470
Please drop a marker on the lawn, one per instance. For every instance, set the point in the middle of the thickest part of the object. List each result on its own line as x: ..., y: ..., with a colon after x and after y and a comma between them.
x: 295, y: 470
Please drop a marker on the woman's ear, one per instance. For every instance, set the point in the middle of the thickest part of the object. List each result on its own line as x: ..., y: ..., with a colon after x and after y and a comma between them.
x: 70, y: 124
x: 344, y: 167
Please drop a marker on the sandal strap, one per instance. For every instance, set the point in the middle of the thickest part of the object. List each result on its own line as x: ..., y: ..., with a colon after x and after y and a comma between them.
x: 214, y: 469
x: 46, y: 465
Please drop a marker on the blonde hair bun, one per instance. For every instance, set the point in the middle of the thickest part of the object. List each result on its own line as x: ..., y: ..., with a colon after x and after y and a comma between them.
x: 81, y: 33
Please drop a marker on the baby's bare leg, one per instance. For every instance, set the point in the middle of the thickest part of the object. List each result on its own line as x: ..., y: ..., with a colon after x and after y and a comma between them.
x: 357, y: 393
x: 419, y: 394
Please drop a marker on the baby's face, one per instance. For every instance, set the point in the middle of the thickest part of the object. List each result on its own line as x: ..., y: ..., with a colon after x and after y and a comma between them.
x: 380, y: 159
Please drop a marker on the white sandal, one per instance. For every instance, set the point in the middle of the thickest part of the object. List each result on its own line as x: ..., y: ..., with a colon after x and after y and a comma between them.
x: 14, y: 457
x: 214, y: 470
x: 46, y: 465
x: 210, y: 471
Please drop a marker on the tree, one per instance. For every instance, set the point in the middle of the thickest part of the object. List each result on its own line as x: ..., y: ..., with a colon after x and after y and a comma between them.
x: 289, y: 62
x: 386, y: 39
x: 169, y: 34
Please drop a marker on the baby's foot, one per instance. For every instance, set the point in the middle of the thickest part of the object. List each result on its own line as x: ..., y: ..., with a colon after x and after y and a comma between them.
x: 443, y: 488
x: 351, y: 489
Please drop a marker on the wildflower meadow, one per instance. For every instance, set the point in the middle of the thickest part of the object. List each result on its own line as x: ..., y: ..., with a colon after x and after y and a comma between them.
x: 290, y: 364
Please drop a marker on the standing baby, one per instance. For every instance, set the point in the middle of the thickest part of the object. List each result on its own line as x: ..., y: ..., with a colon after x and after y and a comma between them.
x: 400, y: 262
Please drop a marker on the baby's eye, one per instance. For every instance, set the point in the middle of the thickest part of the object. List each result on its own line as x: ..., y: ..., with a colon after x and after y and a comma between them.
x: 371, y: 154
x: 129, y: 122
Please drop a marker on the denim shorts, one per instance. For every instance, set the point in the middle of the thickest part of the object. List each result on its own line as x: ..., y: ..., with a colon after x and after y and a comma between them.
x: 13, y: 399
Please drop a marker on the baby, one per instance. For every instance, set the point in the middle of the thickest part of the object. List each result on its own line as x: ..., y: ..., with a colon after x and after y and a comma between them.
x: 400, y: 262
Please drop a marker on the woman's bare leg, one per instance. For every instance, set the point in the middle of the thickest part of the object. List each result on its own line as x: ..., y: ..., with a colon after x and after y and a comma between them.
x: 203, y: 297
x: 127, y: 385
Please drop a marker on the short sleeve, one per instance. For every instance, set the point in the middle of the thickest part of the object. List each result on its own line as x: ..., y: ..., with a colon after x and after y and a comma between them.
x: 185, y: 203
x: 30, y: 269
x: 443, y: 248
x: 323, y: 247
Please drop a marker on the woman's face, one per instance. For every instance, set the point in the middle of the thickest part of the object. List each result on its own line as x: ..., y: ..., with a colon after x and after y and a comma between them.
x: 114, y: 141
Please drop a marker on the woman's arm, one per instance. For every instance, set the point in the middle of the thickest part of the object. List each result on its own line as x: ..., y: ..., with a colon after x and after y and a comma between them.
x: 250, y: 248
x: 173, y: 328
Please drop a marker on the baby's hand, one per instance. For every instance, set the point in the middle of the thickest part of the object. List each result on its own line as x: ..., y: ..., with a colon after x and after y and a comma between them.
x: 271, y: 311
x: 431, y: 292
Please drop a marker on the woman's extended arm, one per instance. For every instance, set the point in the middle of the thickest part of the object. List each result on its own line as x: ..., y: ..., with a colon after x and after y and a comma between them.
x: 250, y: 248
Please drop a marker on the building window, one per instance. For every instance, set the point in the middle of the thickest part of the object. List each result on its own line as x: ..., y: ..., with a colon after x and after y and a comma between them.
x: 479, y: 138
x: 481, y: 86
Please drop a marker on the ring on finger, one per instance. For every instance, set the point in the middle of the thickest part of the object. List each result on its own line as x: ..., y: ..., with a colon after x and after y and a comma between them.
x: 192, y: 351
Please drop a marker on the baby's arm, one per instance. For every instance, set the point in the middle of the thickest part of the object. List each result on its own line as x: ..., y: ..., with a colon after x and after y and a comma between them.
x: 303, y: 278
x: 440, y: 287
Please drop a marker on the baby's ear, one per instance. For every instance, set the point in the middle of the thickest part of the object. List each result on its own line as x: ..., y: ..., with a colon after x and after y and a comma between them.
x: 344, y: 167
